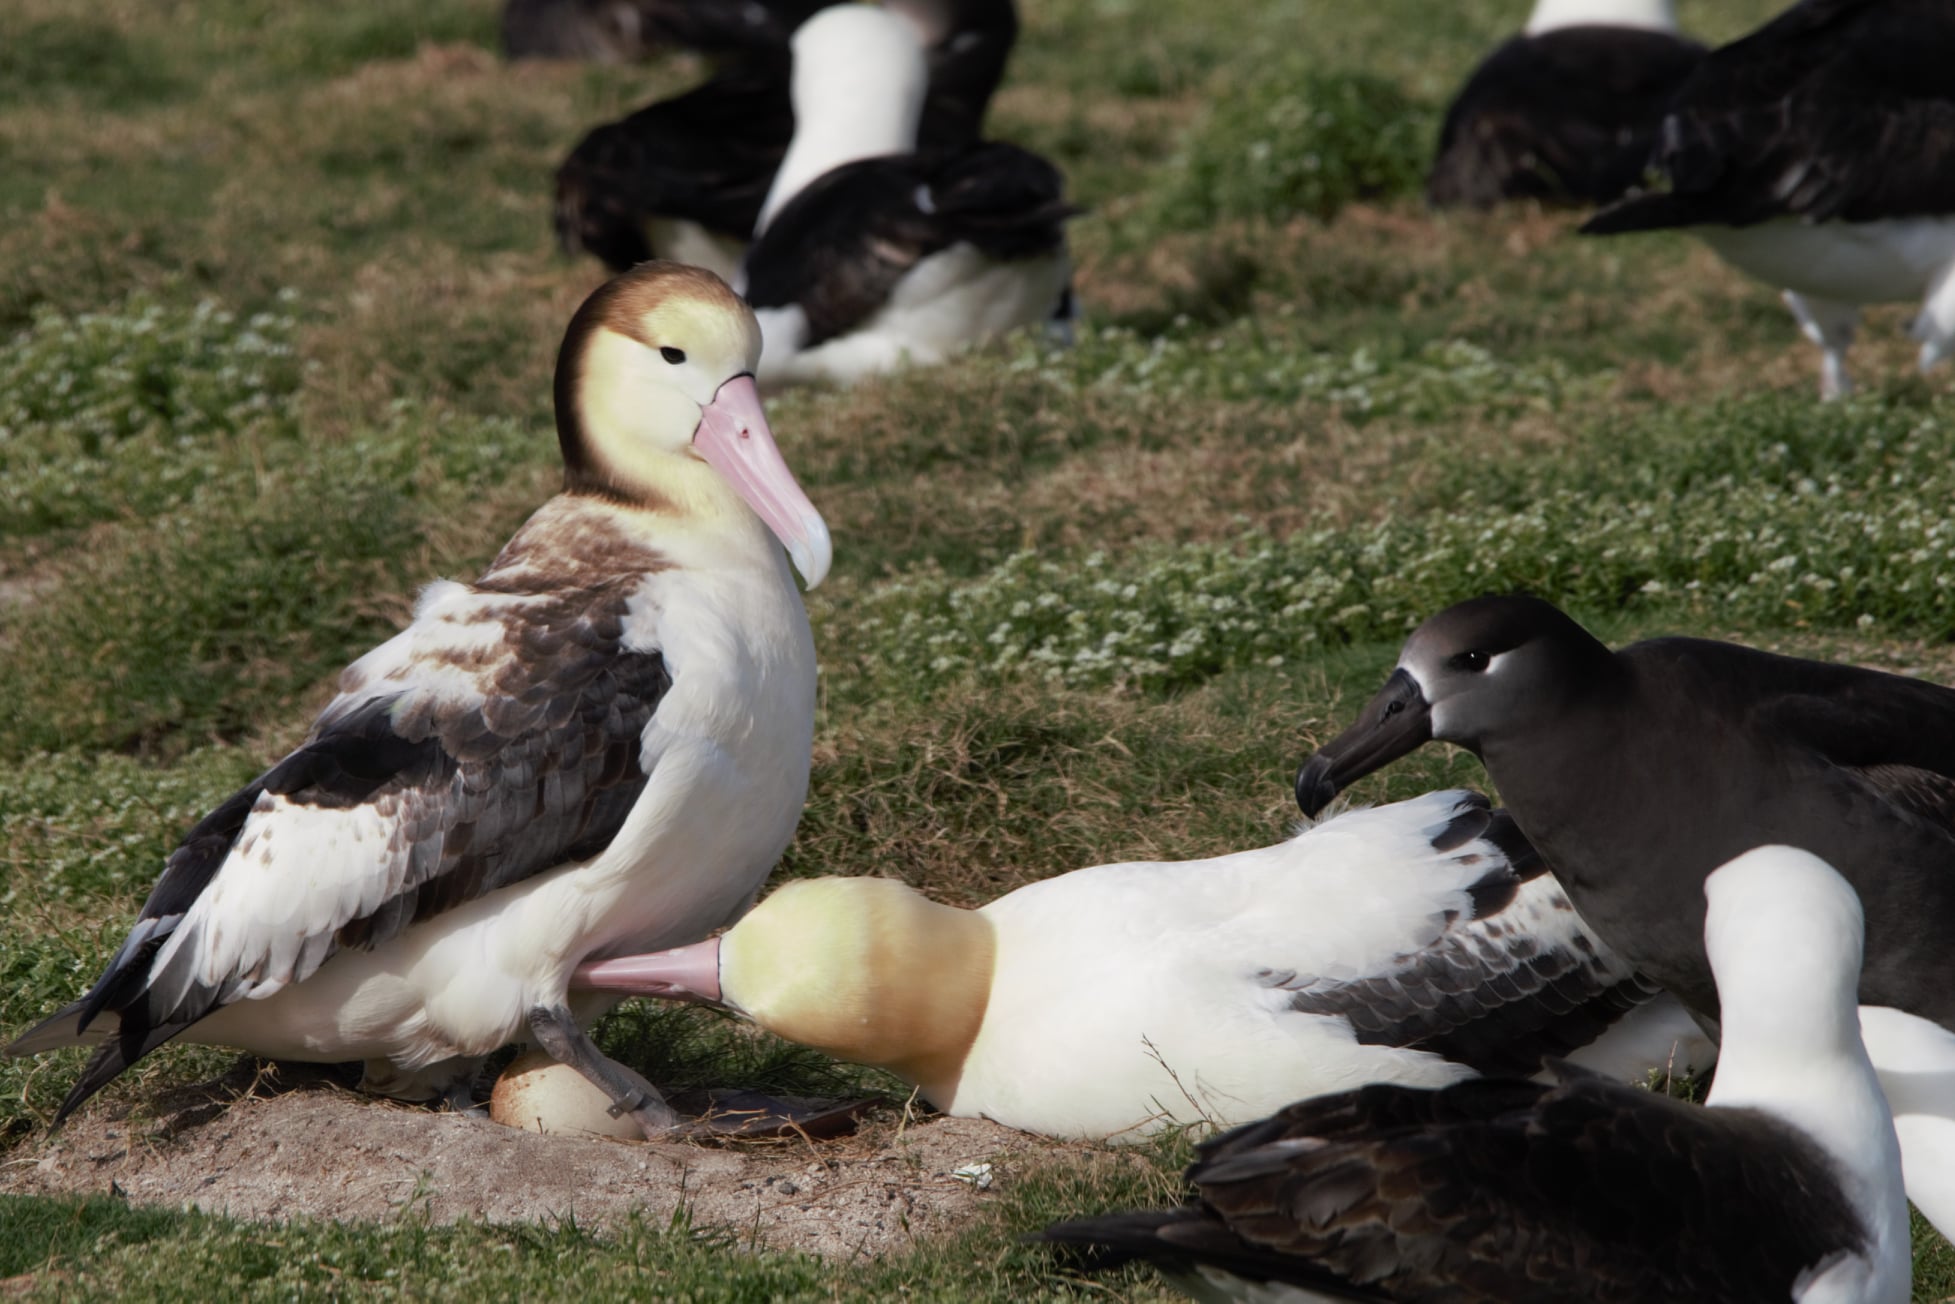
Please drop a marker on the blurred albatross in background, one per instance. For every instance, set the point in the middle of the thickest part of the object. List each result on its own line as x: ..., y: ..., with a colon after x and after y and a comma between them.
x: 1818, y: 155
x: 1564, y: 112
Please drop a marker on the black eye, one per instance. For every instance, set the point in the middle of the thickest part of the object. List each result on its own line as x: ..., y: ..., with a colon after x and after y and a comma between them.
x: 672, y: 355
x: 1471, y: 662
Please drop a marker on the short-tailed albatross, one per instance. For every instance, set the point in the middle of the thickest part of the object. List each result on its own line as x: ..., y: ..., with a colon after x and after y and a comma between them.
x: 1420, y: 942
x: 600, y: 746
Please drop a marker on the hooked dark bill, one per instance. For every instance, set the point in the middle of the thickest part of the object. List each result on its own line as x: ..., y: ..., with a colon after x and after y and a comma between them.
x: 1396, y: 721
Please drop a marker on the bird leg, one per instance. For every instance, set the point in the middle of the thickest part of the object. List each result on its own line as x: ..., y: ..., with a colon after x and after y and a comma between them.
x: 558, y: 1034
x: 459, y: 1096
x: 1829, y: 324
x: 1935, y: 326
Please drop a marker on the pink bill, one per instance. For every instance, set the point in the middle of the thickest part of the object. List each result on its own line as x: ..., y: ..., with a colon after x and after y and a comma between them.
x: 734, y: 439
x: 686, y: 973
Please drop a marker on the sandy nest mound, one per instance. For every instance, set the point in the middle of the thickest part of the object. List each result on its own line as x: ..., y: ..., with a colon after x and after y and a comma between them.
x: 309, y: 1147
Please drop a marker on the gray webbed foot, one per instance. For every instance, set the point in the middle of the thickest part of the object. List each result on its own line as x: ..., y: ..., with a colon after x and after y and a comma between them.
x: 558, y: 1034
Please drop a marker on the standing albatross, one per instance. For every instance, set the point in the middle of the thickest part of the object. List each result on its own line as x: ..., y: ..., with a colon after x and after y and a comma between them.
x: 600, y: 746
x: 1818, y: 155
x: 1785, y: 1186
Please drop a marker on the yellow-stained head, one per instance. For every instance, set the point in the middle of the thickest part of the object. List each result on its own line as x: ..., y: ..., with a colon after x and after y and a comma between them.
x: 656, y: 406
x: 867, y: 970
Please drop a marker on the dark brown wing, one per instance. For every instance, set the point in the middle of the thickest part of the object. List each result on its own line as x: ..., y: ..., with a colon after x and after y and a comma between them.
x: 1566, y: 116
x: 838, y: 249
x: 965, y: 69
x: 1837, y: 109
x: 707, y: 156
x: 407, y: 800
x: 1499, y: 1192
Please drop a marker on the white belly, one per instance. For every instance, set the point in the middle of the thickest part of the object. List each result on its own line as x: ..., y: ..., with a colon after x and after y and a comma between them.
x: 462, y: 984
x: 949, y: 302
x: 727, y: 753
x: 1132, y: 1049
x: 1847, y: 262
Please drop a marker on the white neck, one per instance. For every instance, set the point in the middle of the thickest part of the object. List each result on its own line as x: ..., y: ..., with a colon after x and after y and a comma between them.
x: 1655, y: 15
x: 860, y: 76
x: 1783, y: 932
x: 1834, y: 1098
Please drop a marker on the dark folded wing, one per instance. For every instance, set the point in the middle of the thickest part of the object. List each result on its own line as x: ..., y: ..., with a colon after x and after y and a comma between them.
x: 1568, y: 115
x: 707, y: 156
x: 838, y: 249
x: 965, y: 69
x: 1834, y: 111
x: 1511, y: 1191
x: 1521, y: 981
x: 488, y: 745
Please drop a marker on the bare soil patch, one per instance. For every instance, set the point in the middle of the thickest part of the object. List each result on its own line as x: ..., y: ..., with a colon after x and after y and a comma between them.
x: 315, y: 1149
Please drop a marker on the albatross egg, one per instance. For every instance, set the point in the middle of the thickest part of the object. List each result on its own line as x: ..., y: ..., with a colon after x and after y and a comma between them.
x: 537, y: 1093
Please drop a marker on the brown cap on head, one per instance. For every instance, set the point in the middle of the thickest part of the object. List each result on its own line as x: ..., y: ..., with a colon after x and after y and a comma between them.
x: 625, y: 304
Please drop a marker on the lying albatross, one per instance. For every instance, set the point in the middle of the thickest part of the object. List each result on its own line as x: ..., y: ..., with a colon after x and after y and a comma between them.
x: 1420, y: 942
x: 1635, y: 773
x: 874, y: 251
x: 600, y: 746
x: 683, y: 178
x: 1785, y: 1186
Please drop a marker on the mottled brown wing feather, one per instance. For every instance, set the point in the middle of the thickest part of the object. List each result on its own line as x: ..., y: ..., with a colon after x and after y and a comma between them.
x: 476, y: 793
x: 1500, y: 1192
x: 1513, y: 1191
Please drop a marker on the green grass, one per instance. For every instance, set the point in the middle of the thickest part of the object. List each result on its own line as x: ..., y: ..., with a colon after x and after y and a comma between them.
x: 277, y: 311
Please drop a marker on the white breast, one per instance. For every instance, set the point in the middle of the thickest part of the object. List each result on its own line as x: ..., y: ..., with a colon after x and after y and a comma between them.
x: 1849, y: 262
x: 949, y: 302
x: 728, y: 750
x: 1140, y: 991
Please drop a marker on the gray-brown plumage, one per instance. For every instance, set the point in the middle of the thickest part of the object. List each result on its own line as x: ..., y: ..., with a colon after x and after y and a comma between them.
x: 1499, y: 1192
x: 537, y: 765
x: 1637, y: 772
x: 1564, y: 116
x: 1835, y: 110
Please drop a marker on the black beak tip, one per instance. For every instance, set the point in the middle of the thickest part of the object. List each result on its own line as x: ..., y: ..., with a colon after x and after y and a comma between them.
x: 1315, y: 787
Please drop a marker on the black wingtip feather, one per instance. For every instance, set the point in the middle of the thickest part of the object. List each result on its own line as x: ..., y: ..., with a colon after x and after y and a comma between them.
x: 1469, y: 821
x: 107, y: 1063
x: 1178, y: 1241
x: 1522, y: 858
x: 1106, y: 1242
